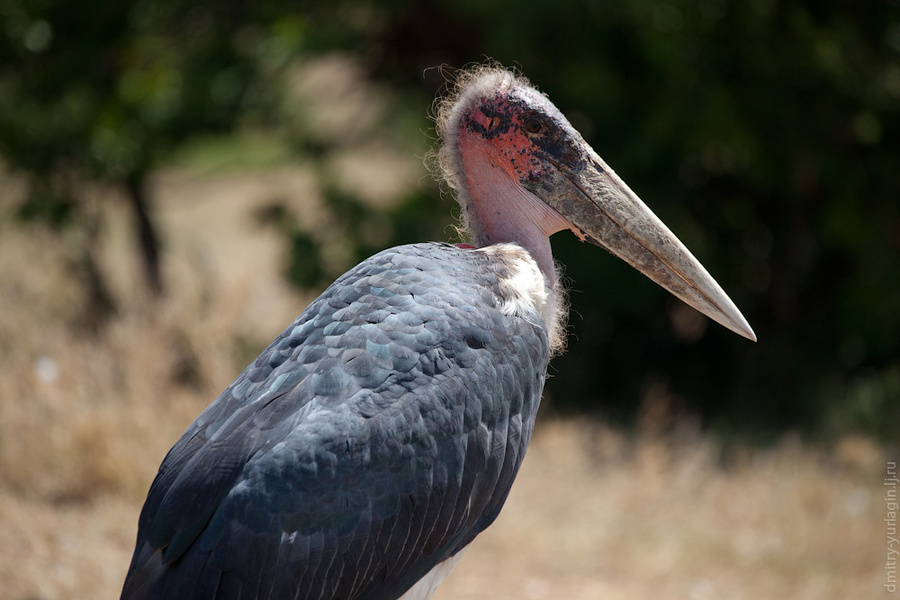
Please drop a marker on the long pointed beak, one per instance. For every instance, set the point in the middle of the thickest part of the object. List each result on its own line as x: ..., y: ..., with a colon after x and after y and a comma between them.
x: 605, y: 211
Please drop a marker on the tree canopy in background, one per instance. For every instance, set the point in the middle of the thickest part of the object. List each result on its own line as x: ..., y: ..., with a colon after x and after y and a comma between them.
x: 765, y: 133
x: 105, y: 91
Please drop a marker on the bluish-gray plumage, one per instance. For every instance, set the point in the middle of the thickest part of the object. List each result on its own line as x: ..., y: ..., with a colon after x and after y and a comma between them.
x: 373, y: 439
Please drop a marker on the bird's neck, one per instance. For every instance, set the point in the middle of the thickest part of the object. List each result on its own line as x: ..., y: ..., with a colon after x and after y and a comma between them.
x: 499, y: 210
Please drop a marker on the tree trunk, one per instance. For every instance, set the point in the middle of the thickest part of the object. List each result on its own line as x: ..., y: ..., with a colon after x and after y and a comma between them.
x: 147, y: 232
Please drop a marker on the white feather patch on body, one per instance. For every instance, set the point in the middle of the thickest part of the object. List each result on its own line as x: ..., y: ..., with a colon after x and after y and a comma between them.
x: 425, y: 587
x: 525, y: 289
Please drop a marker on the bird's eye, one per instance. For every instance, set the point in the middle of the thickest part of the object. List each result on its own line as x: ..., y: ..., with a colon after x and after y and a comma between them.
x: 533, y: 125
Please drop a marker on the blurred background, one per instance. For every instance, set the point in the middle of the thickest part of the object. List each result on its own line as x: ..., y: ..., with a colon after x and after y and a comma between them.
x: 179, y: 178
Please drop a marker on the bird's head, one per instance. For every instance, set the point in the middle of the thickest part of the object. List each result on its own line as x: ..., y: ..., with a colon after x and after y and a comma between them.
x: 521, y: 172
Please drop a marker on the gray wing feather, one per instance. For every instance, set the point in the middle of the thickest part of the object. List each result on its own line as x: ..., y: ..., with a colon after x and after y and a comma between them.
x: 373, y: 439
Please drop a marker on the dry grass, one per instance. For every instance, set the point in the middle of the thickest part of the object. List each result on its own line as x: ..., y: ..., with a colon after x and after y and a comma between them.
x: 659, y: 519
x: 86, y: 419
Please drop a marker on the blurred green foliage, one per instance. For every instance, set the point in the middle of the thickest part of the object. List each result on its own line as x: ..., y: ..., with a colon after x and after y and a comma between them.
x: 764, y: 132
x: 104, y: 91
x: 767, y: 135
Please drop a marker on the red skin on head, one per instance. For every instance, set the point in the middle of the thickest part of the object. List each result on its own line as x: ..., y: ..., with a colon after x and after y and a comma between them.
x: 497, y: 154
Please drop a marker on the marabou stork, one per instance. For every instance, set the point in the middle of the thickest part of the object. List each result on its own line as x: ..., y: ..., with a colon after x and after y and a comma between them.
x: 374, y: 439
